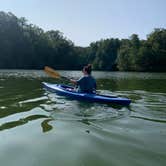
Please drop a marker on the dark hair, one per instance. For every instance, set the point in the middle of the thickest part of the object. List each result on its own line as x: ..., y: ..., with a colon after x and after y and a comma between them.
x: 88, y: 68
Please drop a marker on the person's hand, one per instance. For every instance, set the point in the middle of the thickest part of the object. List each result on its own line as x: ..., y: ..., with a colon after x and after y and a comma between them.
x: 73, y: 81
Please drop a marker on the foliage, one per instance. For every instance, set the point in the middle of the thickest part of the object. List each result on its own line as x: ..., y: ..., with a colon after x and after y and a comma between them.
x: 145, y: 55
x: 26, y: 46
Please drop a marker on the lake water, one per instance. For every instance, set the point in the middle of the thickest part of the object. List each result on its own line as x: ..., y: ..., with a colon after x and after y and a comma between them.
x: 38, y: 128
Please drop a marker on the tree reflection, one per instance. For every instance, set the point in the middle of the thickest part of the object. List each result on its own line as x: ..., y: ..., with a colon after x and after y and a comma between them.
x: 45, y: 126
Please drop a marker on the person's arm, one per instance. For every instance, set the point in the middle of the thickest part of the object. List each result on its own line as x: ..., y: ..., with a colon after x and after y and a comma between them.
x: 73, y: 81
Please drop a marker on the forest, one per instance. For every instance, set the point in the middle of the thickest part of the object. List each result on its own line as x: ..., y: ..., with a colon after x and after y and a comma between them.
x: 27, y: 46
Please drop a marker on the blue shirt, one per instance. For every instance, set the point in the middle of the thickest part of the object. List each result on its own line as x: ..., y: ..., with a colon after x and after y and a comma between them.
x: 86, y: 84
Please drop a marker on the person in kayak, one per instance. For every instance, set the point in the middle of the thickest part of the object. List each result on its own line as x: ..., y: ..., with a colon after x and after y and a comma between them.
x: 86, y: 84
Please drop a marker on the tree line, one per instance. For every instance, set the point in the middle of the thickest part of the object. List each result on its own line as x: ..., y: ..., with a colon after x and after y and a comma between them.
x: 27, y: 46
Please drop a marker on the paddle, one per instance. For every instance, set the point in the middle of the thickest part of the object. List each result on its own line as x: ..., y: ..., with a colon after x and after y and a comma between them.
x: 51, y: 72
x: 54, y: 74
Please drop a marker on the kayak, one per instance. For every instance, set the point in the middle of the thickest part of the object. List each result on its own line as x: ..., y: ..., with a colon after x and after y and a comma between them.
x: 70, y: 92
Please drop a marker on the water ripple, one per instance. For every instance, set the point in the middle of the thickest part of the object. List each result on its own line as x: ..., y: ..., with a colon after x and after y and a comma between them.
x: 64, y: 109
x: 147, y: 105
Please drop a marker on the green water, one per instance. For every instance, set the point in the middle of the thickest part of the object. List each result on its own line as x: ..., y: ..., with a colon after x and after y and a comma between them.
x: 38, y: 128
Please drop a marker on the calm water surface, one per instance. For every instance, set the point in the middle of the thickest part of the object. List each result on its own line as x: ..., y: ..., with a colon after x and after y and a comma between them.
x: 38, y: 128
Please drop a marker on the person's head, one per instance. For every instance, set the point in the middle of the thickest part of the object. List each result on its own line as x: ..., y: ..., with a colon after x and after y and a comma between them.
x: 87, y: 69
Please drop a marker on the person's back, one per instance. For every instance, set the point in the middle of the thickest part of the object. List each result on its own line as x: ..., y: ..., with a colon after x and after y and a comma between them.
x: 86, y: 84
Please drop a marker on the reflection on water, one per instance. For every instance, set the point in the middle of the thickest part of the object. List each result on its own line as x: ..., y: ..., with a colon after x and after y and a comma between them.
x: 51, y: 129
x: 66, y: 109
x: 46, y: 126
x: 19, y: 122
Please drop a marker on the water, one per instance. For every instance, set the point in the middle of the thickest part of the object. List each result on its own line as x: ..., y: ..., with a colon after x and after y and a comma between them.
x: 41, y: 128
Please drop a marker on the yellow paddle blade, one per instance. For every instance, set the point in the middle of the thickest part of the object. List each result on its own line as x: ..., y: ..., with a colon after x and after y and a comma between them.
x: 51, y: 72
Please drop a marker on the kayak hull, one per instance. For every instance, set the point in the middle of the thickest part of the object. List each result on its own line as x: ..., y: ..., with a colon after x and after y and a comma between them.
x: 69, y: 91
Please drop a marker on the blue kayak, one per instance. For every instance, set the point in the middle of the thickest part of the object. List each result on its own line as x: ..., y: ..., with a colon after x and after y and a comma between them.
x: 70, y: 92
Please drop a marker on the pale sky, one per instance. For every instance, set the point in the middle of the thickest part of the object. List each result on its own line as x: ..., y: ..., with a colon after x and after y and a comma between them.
x: 86, y: 21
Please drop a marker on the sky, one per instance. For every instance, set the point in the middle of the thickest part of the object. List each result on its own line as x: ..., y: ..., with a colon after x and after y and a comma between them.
x: 86, y: 21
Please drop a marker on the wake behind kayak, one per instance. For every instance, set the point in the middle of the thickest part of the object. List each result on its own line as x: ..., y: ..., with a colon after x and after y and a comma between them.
x: 70, y: 92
